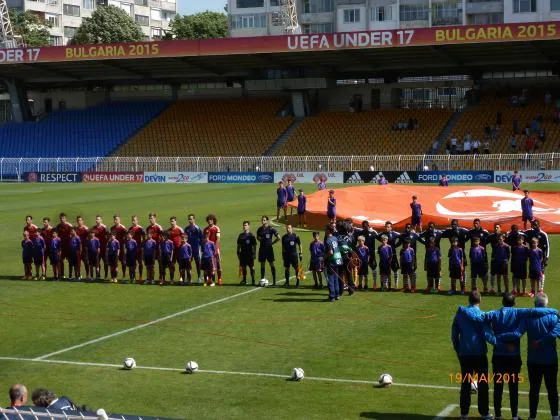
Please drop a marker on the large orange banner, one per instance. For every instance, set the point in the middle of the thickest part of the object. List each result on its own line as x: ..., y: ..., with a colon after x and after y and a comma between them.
x: 293, y: 43
x: 381, y: 203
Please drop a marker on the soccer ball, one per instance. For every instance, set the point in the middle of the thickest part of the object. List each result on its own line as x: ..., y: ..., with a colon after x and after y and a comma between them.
x: 192, y: 367
x: 298, y: 374
x: 474, y: 387
x: 263, y: 283
x: 385, y: 379
x: 129, y: 363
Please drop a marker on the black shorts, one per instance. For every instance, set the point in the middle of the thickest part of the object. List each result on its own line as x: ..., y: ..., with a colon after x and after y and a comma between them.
x: 38, y: 259
x: 499, y: 268
x: 246, y: 260
x: 407, y: 269
x: 527, y: 218
x: 478, y: 271
x: 112, y: 260
x: 455, y: 272
x: 291, y: 261
x: 149, y: 260
x: 535, y: 275
x: 416, y: 221
x: 519, y: 272
x: 363, y: 270
x: 433, y: 271
x: 384, y: 269
x: 207, y: 264
x: 92, y: 259
x: 131, y: 262
x: 266, y: 253
x: 317, y: 265
x: 184, y: 264
x: 55, y: 260
x: 165, y: 260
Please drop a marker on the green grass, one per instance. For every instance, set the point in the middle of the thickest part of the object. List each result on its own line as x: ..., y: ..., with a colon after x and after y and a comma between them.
x: 266, y: 331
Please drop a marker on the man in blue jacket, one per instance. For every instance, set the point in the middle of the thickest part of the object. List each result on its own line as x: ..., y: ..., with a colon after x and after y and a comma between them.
x: 469, y: 341
x: 542, y: 359
x: 506, y: 359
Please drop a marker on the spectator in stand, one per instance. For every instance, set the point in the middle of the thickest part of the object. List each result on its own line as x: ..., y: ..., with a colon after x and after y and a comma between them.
x: 534, y: 126
x: 453, y: 142
x: 487, y: 147
x: 528, y: 144
x: 536, y: 144
x: 494, y: 131
x: 468, y: 137
x: 547, y: 98
x: 513, y: 143
x: 514, y: 100
x: 476, y: 146
x: 459, y: 150
x: 448, y: 147
x: 542, y: 135
x: 18, y: 395
x: 47, y: 399
x: 435, y: 146
x: 527, y: 130
x: 487, y: 131
x: 467, y: 147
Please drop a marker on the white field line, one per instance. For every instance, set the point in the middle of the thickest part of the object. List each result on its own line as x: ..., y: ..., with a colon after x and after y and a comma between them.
x: 150, y: 323
x: 255, y: 374
x: 445, y: 412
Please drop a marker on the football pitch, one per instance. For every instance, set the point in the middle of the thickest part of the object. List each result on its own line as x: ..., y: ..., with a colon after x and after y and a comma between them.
x: 73, y: 337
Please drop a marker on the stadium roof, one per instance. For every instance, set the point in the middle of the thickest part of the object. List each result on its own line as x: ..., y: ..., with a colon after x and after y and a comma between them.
x: 389, y: 54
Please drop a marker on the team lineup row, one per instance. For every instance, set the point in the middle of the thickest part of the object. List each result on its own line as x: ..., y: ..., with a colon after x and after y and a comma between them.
x: 136, y: 247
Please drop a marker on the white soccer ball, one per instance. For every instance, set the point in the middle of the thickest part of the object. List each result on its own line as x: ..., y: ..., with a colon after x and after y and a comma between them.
x: 474, y: 387
x: 129, y: 363
x: 298, y: 374
x: 263, y: 283
x: 385, y: 379
x: 192, y: 367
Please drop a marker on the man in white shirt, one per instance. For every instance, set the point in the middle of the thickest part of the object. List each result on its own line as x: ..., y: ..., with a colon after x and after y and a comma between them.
x: 467, y: 147
x: 476, y: 146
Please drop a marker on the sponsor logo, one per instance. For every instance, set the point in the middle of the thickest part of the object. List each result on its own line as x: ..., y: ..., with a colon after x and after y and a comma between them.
x: 355, y: 178
x: 155, y: 179
x: 53, y: 177
x: 32, y: 177
x: 404, y: 178
x: 483, y: 177
x: 265, y: 178
x: 232, y: 178
x: 113, y: 177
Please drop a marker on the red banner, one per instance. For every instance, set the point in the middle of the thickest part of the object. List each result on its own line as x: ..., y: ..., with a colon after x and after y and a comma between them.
x: 113, y: 177
x: 294, y: 43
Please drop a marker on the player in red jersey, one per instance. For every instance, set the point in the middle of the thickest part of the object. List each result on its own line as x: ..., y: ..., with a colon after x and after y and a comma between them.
x: 175, y: 234
x: 64, y: 230
x: 120, y: 232
x: 30, y: 227
x: 214, y: 236
x: 83, y: 231
x: 156, y: 231
x: 138, y: 235
x: 101, y: 233
x: 47, y: 233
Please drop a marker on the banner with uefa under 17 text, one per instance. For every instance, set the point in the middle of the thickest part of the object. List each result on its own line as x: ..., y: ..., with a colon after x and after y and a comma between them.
x: 113, y: 177
x: 543, y: 177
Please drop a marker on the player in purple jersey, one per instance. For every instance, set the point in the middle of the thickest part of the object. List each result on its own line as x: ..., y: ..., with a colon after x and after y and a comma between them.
x: 432, y: 265
x: 131, y: 256
x: 382, y: 180
x: 416, y: 218
x: 536, y: 267
x: 290, y: 194
x: 39, y: 249
x: 301, y: 209
x: 443, y: 181
x: 526, y: 209
x: 166, y: 249
x: 281, y: 200
x: 75, y: 255
x: 331, y: 206
x: 184, y: 258
x: 317, y: 260
x: 364, y: 254
x: 456, y: 256
x: 149, y: 254
x: 515, y: 181
x: 93, y: 255
x: 479, y: 264
x: 195, y: 236
x: 27, y: 256
x: 499, y: 265
x: 385, y: 252
x: 208, y: 261
x: 55, y: 250
x: 519, y: 258
x: 112, y: 256
x: 408, y: 266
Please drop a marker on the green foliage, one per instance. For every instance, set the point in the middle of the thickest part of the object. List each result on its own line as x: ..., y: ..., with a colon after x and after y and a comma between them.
x: 30, y: 27
x: 108, y: 24
x: 204, y: 25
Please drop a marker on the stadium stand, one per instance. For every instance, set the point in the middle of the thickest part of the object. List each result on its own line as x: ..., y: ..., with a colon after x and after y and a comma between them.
x: 475, y: 119
x: 95, y: 131
x: 228, y: 127
x: 367, y: 133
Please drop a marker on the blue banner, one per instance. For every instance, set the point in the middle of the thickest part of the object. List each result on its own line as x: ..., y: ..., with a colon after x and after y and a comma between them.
x: 53, y: 177
x: 456, y: 177
x: 240, y: 177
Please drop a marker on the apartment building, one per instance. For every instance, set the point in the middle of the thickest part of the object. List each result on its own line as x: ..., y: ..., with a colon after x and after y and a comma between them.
x: 65, y: 16
x: 260, y: 17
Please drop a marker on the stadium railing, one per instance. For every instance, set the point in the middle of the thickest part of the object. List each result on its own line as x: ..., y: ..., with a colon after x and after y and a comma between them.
x: 37, y: 413
x: 12, y: 168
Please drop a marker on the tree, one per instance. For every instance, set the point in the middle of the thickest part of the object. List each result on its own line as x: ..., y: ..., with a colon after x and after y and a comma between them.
x: 204, y: 25
x: 33, y: 31
x: 108, y: 24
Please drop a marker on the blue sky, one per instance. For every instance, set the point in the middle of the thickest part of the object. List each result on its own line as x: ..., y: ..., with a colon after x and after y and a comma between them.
x: 187, y: 7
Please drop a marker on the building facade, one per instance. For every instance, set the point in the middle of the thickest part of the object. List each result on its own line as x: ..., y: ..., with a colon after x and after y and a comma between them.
x: 65, y: 16
x: 261, y: 17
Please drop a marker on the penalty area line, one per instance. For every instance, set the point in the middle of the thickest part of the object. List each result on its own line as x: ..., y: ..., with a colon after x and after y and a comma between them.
x: 443, y: 414
x: 153, y: 322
